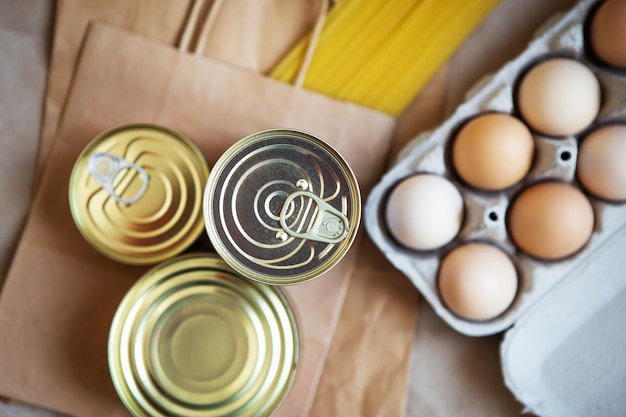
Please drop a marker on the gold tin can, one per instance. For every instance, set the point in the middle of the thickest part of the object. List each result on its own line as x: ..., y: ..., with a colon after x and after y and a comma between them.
x: 282, y: 206
x: 136, y: 193
x: 194, y: 338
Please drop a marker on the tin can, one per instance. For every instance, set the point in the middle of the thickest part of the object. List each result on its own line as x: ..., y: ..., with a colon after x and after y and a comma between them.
x: 194, y: 338
x: 282, y: 206
x: 136, y: 193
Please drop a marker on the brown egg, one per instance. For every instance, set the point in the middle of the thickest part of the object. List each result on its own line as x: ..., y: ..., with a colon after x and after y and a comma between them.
x: 559, y: 97
x: 601, y: 162
x: 608, y: 33
x: 477, y: 281
x: 493, y: 151
x: 551, y: 220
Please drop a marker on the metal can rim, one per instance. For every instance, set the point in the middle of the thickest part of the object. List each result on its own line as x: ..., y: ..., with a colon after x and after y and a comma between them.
x: 215, y: 262
x: 195, y: 231
x: 216, y: 173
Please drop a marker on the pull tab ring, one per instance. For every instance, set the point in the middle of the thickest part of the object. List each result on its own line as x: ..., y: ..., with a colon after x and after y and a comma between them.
x: 329, y: 226
x: 104, y: 167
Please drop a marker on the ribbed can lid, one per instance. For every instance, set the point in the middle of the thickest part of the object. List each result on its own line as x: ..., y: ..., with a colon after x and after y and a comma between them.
x: 282, y: 206
x: 136, y: 193
x: 193, y: 338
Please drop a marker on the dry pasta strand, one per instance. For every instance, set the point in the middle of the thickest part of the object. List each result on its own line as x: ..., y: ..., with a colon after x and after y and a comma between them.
x: 380, y: 53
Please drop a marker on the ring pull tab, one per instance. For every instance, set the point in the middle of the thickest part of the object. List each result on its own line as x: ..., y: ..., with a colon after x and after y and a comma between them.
x: 329, y: 226
x: 104, y: 167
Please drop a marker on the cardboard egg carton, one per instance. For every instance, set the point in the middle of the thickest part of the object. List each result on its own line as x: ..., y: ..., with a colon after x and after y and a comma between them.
x: 485, y: 212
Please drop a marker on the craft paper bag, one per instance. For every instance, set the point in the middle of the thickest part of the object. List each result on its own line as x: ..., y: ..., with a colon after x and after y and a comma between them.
x: 252, y: 34
x: 367, y: 370
x: 262, y: 31
x: 60, y: 294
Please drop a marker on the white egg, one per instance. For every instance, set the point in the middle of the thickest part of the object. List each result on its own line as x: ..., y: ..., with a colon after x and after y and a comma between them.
x: 559, y: 97
x: 424, y: 212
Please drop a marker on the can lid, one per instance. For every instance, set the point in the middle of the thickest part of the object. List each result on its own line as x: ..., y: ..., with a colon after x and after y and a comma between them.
x: 136, y: 193
x: 282, y: 206
x: 193, y: 338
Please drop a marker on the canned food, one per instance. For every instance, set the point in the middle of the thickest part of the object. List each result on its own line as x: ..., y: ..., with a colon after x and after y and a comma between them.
x: 136, y: 193
x: 282, y: 206
x: 193, y: 338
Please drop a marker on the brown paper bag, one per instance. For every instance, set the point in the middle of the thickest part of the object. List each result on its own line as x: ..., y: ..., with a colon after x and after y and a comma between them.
x: 367, y: 370
x: 262, y: 31
x: 60, y: 294
x: 253, y: 34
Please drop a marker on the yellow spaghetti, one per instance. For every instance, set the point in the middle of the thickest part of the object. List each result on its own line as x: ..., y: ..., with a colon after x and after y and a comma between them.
x: 380, y: 53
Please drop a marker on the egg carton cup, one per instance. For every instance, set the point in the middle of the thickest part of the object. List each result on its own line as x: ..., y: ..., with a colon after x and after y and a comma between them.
x: 485, y: 212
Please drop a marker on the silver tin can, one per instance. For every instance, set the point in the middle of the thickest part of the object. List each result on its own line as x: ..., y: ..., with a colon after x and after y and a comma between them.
x: 282, y: 206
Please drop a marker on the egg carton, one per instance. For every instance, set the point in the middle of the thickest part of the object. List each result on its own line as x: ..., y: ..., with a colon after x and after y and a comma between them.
x: 485, y: 212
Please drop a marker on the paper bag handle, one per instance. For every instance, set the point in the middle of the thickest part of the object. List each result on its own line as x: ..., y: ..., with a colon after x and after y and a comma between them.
x: 310, y: 50
x: 205, y: 29
x: 207, y: 25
